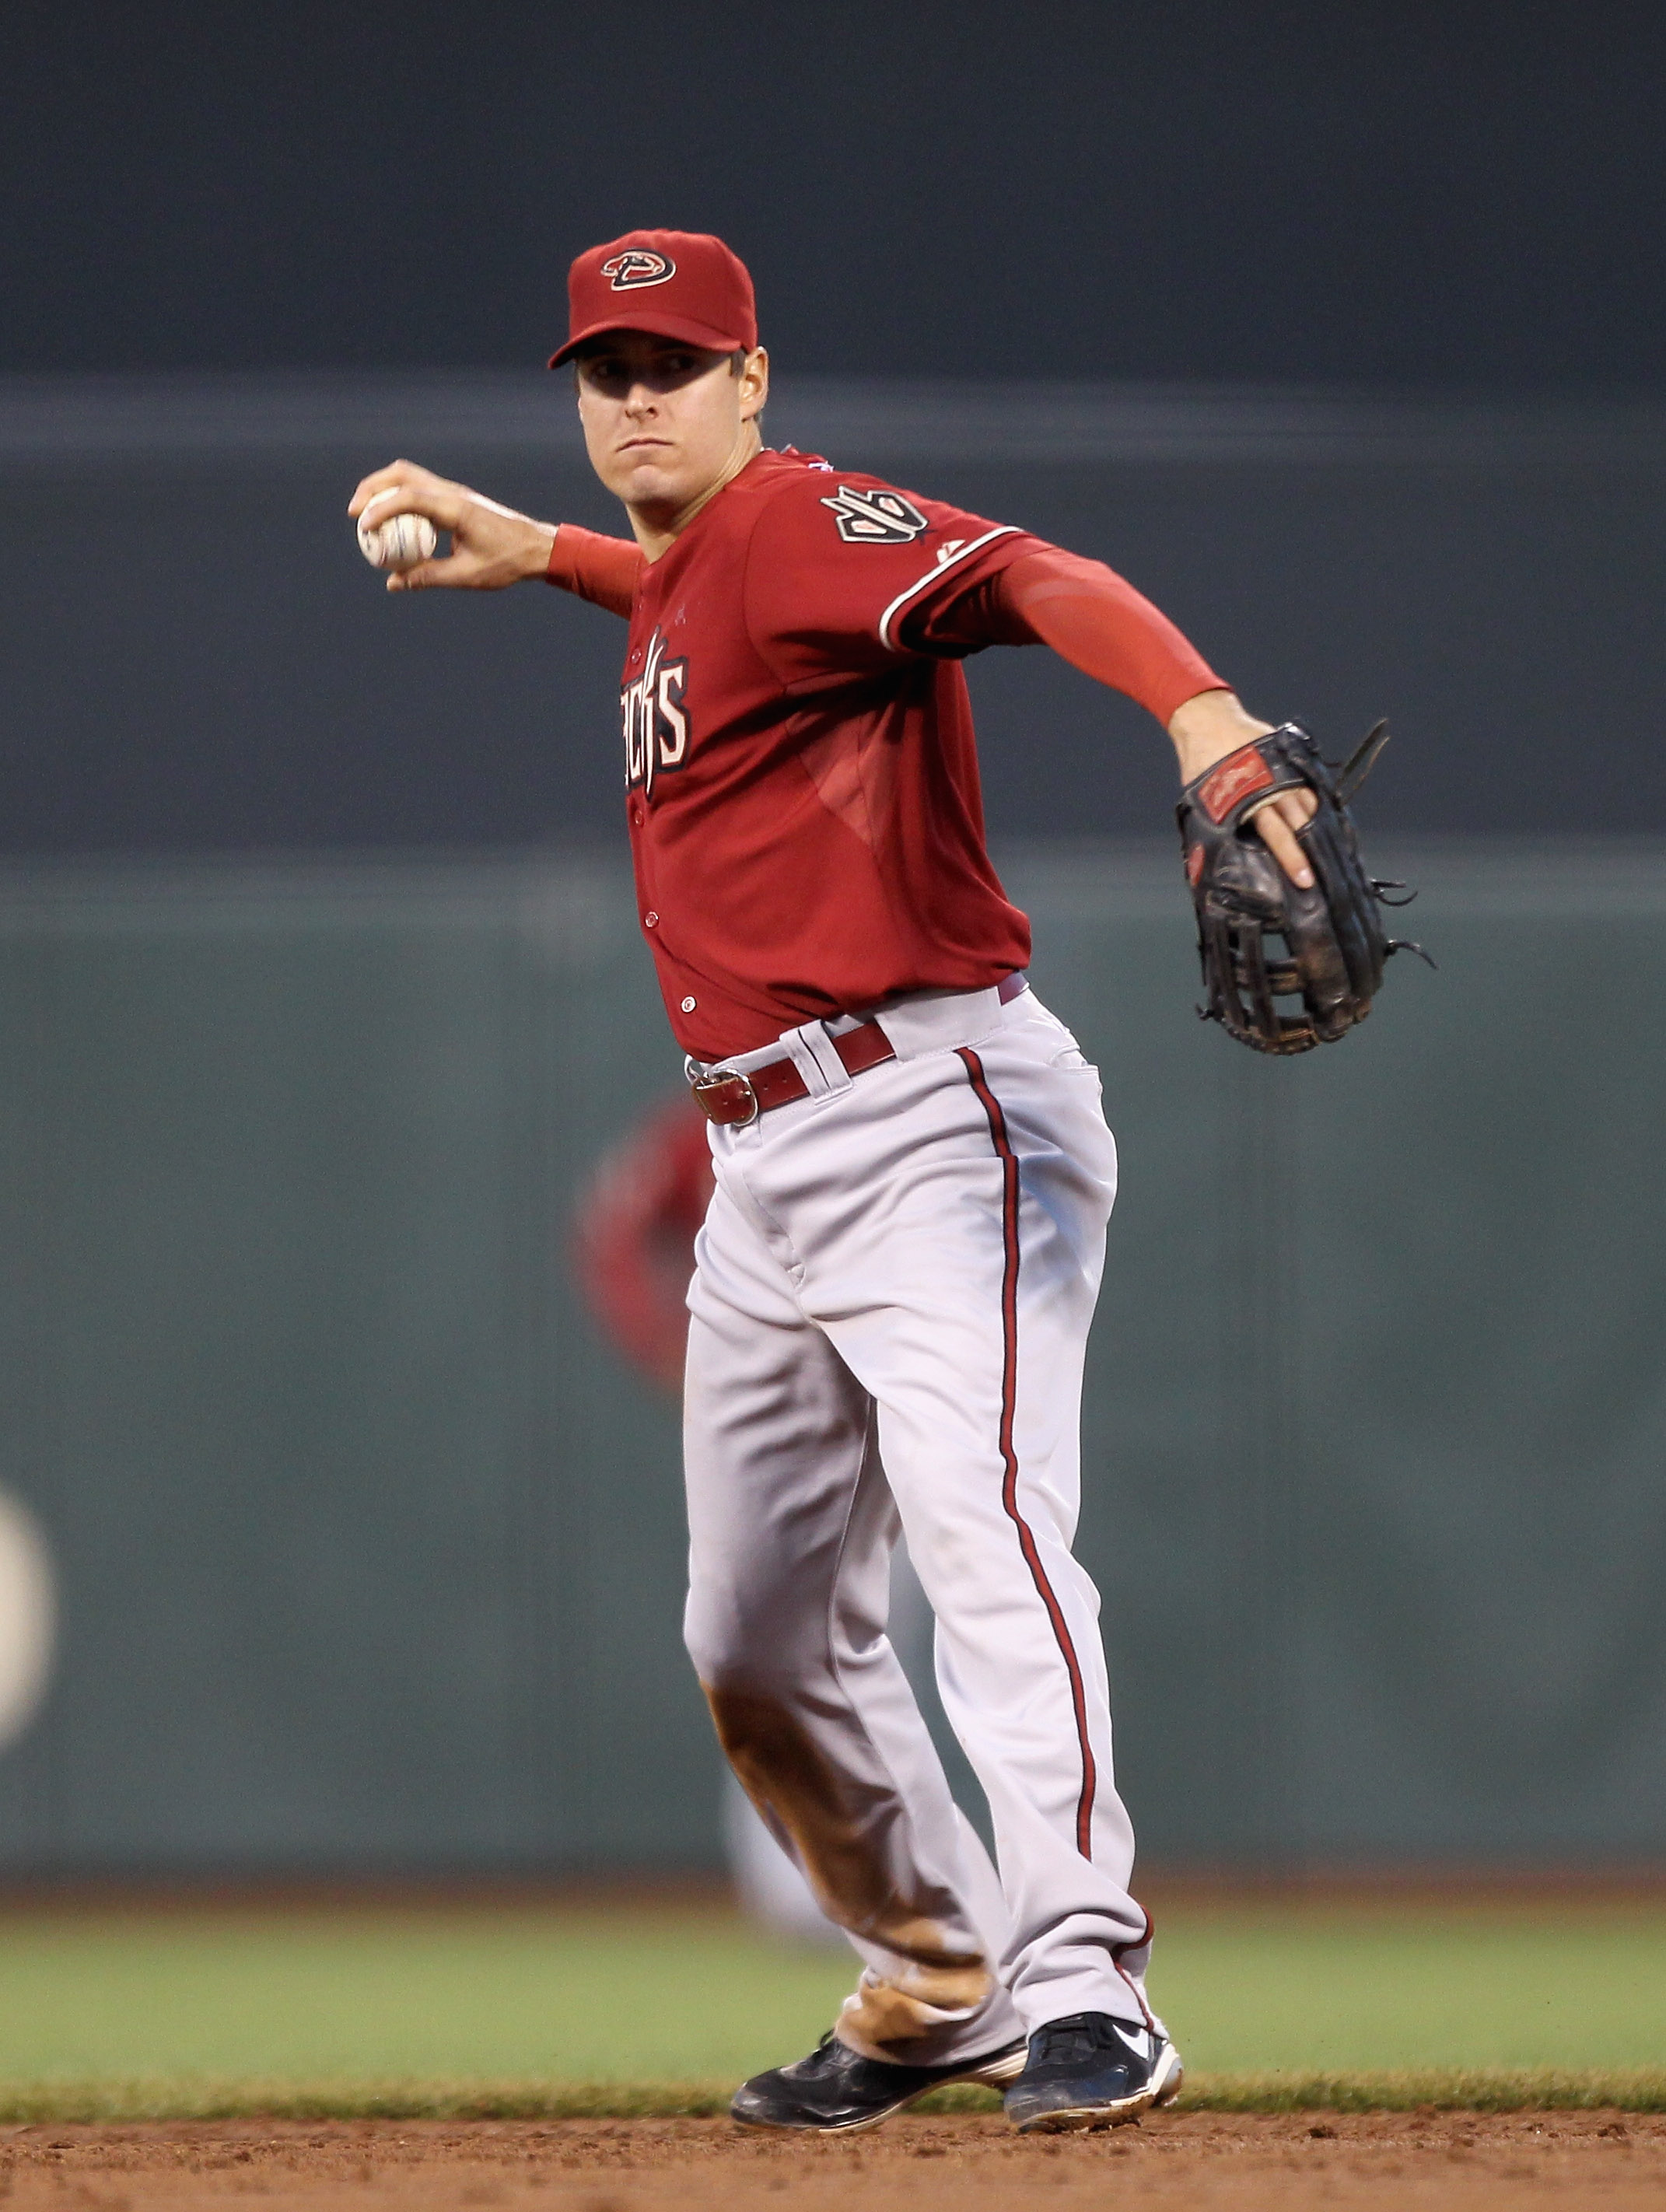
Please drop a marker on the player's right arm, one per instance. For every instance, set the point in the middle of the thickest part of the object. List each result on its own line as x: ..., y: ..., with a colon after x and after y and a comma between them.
x: 493, y: 546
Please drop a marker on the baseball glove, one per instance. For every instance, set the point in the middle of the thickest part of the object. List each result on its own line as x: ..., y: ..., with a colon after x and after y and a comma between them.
x: 1334, y: 947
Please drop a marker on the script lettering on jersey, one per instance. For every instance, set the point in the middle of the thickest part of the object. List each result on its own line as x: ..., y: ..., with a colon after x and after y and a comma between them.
x: 654, y: 721
x: 876, y: 518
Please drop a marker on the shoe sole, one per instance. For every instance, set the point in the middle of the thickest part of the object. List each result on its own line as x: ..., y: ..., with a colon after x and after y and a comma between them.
x: 1121, y: 2112
x: 995, y: 2074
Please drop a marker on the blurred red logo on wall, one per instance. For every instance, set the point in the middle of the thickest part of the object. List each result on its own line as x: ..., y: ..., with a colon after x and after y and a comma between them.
x: 634, y: 1238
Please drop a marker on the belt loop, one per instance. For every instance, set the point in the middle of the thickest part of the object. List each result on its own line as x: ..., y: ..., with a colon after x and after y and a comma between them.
x: 812, y: 1037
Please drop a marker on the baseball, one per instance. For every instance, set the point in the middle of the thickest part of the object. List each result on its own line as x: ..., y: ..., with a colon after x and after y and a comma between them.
x: 399, y: 542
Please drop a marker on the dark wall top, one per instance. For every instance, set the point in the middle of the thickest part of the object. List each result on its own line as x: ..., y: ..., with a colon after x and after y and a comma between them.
x: 1173, y: 189
x: 193, y: 656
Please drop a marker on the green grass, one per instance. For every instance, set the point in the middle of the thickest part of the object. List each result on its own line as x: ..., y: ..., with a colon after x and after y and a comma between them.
x: 533, y: 2012
x: 316, y: 1996
x: 1332, y: 1990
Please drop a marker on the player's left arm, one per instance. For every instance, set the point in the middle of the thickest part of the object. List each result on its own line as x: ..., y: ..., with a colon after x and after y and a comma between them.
x: 1096, y: 620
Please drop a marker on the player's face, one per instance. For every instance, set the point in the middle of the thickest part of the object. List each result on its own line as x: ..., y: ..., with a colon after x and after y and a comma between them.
x: 664, y: 421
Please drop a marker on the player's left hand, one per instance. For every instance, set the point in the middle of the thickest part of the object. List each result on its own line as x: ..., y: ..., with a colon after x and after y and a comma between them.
x: 1208, y: 728
x: 1261, y: 937
x: 491, y: 546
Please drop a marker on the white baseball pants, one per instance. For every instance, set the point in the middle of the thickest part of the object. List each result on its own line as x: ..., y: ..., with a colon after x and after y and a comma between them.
x: 892, y: 1301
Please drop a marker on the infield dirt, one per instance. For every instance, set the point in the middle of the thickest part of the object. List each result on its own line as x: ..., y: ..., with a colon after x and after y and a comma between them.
x: 1237, y: 2163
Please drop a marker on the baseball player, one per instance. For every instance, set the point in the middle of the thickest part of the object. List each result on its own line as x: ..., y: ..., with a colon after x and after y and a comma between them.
x: 913, y: 1178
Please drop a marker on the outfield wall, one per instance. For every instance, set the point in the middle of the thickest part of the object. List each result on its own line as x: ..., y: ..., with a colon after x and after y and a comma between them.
x: 367, y: 1552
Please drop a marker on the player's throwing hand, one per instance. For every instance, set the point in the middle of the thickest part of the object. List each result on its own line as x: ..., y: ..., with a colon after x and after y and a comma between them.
x: 491, y: 546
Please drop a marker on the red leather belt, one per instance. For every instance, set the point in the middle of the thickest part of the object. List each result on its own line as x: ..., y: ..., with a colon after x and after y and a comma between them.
x: 727, y: 1095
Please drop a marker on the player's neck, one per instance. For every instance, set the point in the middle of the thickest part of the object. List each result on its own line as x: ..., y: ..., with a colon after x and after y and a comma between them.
x: 657, y: 528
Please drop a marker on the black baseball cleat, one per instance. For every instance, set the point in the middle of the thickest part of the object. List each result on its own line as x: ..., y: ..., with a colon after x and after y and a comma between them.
x: 837, y: 2089
x: 1089, y: 2070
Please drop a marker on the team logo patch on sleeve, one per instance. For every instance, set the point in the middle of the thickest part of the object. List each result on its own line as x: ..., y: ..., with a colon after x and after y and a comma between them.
x: 628, y: 272
x: 876, y: 518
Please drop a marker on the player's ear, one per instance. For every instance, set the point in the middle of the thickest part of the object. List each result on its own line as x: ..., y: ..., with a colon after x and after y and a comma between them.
x: 754, y: 375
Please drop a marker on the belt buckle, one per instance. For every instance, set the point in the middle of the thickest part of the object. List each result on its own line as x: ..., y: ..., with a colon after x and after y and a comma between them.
x: 721, y: 1088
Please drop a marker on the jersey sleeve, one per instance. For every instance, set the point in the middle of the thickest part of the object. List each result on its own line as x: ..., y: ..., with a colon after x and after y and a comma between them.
x: 843, y: 573
x: 591, y: 567
x: 1089, y: 614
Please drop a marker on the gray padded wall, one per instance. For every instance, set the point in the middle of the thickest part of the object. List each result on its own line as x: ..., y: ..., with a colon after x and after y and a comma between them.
x: 1376, y: 1397
x: 368, y: 1555
x: 371, y: 1554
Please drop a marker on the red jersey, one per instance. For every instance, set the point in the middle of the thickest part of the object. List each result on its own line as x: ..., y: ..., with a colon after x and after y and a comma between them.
x: 805, y: 818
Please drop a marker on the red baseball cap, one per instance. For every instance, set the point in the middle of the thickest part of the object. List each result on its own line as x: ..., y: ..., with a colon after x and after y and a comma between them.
x: 678, y: 283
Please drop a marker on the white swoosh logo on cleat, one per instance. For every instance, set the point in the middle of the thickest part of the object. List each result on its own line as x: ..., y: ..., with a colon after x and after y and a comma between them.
x: 1135, y: 2041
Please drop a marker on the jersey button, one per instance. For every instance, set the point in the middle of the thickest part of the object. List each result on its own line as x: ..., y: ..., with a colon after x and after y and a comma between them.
x: 650, y: 920
x: 636, y: 812
x: 688, y: 1005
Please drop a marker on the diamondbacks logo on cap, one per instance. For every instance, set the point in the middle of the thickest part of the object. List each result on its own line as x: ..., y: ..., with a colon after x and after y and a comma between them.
x: 876, y: 518
x: 627, y: 272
